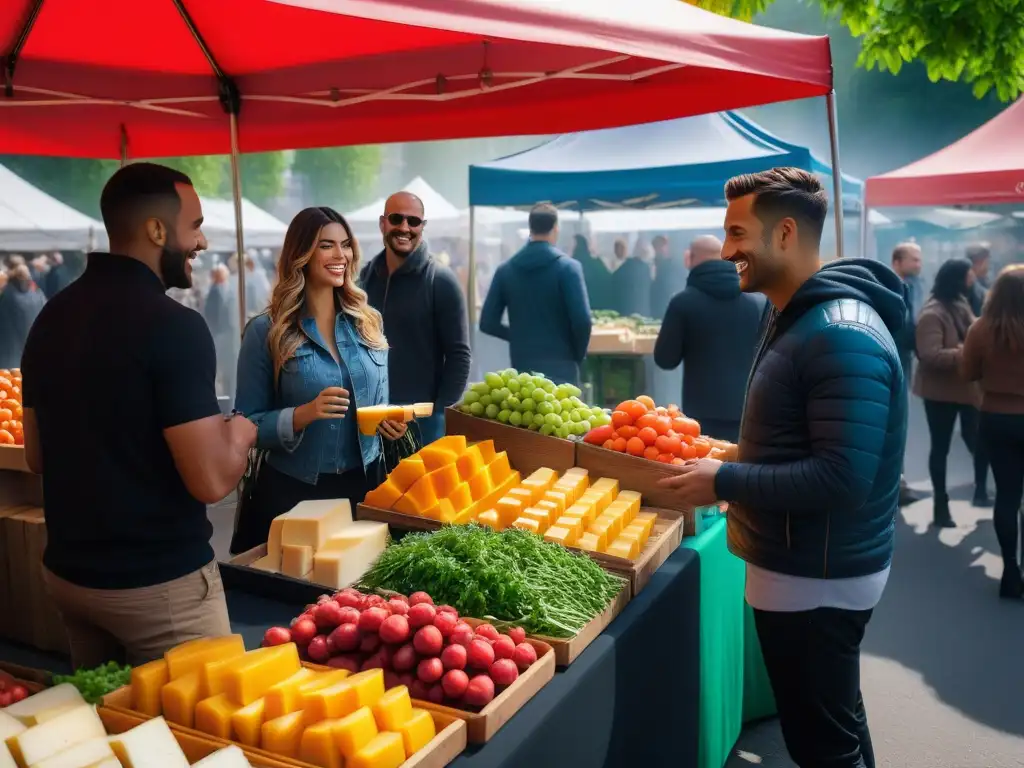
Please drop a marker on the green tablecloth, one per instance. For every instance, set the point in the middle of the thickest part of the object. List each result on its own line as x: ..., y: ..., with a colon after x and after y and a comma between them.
x: 734, y: 685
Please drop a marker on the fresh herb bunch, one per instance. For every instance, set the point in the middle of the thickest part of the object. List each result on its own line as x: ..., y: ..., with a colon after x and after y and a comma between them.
x: 96, y: 683
x: 513, y: 576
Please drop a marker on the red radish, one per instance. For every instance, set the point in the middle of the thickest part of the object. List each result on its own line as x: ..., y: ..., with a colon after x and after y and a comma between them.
x: 462, y: 626
x: 518, y: 635
x: 303, y: 631
x: 420, y: 597
x: 406, y: 679
x: 370, y: 643
x: 371, y: 619
x: 480, y: 655
x: 404, y: 658
x: 446, y: 623
x: 479, y: 692
x: 454, y: 657
x: 420, y: 615
x: 395, y: 629
x: 402, y: 598
x: 428, y: 641
x: 349, y: 615
x: 374, y: 601
x: 503, y: 672
x: 430, y: 670
x: 398, y: 607
x: 345, y: 661
x: 324, y: 599
x: 5, y: 699
x: 418, y: 690
x: 436, y: 694
x: 461, y: 637
x: 387, y: 653
x: 345, y: 638
x: 504, y: 647
x: 18, y: 692
x: 276, y: 636
x: 317, y: 650
x: 448, y: 609
x: 373, y: 662
x: 391, y: 680
x: 487, y: 631
x: 327, y: 615
x: 524, y: 656
x: 349, y: 600
x: 455, y: 682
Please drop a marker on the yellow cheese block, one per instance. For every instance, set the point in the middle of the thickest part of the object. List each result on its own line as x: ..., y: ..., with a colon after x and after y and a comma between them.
x: 296, y: 560
x: 632, y: 500
x: 245, y: 684
x: 490, y: 518
x: 417, y: 731
x: 527, y: 524
x: 408, y: 471
x: 499, y: 468
x: 524, y: 495
x: 385, y: 750
x: 560, y: 499
x: 646, y: 520
x: 283, y: 698
x: 329, y: 703
x: 610, y: 525
x: 443, y: 511
x: 637, y: 534
x: 480, y: 484
x: 418, y: 499
x: 469, y: 463
x: 593, y: 542
x: 392, y: 709
x: 317, y: 746
x: 149, y: 745
x: 599, y: 500
x: 179, y: 698
x: 573, y: 484
x: 509, y: 509
x: 358, y: 532
x: 212, y: 674
x: 343, y: 560
x: 368, y: 685
x: 560, y: 534
x: 49, y: 738
x: 454, y: 443
x: 311, y: 523
x: 606, y: 484
x: 543, y: 515
x: 436, y: 456
x: 487, y: 451
x: 572, y: 524
x: 247, y: 722
x: 283, y: 735
x: 147, y: 681
x: 213, y: 716
x: 384, y: 495
x: 461, y: 498
x: 444, y: 480
x: 354, y: 732
x: 623, y: 547
x: 498, y: 492
x: 583, y: 510
x: 190, y: 656
x: 543, y: 476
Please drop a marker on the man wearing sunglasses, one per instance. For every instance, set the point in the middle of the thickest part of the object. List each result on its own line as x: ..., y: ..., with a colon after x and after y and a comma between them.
x: 424, y: 315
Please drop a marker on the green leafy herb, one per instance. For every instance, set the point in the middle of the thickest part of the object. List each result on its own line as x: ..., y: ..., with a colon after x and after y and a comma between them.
x: 96, y: 683
x: 513, y: 576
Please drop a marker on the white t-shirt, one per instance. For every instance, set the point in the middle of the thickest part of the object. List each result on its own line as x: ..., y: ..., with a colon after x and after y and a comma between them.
x: 771, y: 591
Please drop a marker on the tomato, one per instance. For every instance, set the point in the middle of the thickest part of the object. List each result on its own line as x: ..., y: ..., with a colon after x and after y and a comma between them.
x: 647, y: 400
x: 673, y: 410
x: 621, y: 419
x: 651, y: 453
x: 627, y: 431
x: 648, y: 435
x: 647, y: 420
x: 678, y: 462
x: 669, y: 444
x: 661, y: 410
x: 634, y: 408
x: 619, y: 444
x: 608, y: 445
x: 598, y: 435
x: 666, y: 458
x: 687, y: 451
x: 635, y: 446
x: 5, y: 699
x: 663, y: 425
x: 702, y: 448
x: 685, y: 426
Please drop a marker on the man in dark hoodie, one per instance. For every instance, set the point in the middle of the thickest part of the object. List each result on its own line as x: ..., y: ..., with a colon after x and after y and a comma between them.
x: 424, y: 315
x: 713, y: 327
x: 543, y: 290
x: 813, y: 495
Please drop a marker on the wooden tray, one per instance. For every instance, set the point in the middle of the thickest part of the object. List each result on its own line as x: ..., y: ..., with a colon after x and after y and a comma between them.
x: 527, y: 450
x: 12, y: 457
x: 34, y: 680
x: 118, y: 717
x: 637, y: 474
x: 484, y: 724
x: 238, y: 573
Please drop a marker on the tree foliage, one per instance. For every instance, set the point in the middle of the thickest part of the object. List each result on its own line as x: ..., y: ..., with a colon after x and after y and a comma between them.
x: 980, y: 42
x: 341, y: 177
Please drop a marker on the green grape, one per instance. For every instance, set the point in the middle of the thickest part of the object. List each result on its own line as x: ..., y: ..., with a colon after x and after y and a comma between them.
x: 527, y: 417
x: 556, y: 407
x: 545, y: 408
x: 508, y: 374
x: 577, y: 403
x: 471, y: 397
x: 501, y: 394
x: 492, y: 411
x: 549, y: 397
x: 481, y: 388
x: 576, y: 415
x: 514, y: 403
x: 533, y: 427
x: 574, y: 391
x: 539, y: 419
x: 562, y: 390
x: 524, y: 378
x: 466, y: 408
x: 504, y: 415
x: 567, y: 404
x: 583, y: 427
x: 513, y: 385
x: 515, y: 418
x: 504, y: 405
x: 529, y: 404
x: 553, y: 419
x: 547, y: 429
x: 477, y: 408
x: 485, y: 400
x: 494, y: 380
x: 548, y: 386
x: 563, y: 431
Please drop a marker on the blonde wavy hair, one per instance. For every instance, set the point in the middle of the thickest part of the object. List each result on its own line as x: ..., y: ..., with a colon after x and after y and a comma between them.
x: 289, y: 295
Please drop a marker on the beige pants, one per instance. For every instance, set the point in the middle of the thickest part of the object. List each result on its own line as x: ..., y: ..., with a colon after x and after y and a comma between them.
x: 139, y: 625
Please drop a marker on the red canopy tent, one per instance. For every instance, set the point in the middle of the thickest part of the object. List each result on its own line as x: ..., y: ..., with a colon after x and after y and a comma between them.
x: 151, y: 78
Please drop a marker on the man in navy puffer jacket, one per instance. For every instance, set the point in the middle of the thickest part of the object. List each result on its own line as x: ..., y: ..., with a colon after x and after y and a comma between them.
x: 814, y: 494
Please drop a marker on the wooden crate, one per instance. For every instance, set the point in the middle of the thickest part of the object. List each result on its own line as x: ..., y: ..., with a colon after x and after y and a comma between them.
x: 484, y: 724
x: 636, y: 474
x: 527, y: 450
x: 34, y: 680
x: 12, y: 457
x: 238, y: 573
x: 118, y: 716
x: 10, y: 627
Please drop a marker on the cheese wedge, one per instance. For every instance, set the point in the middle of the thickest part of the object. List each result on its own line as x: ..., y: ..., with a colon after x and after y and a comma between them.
x: 190, y: 656
x: 311, y: 523
x: 296, y: 560
x: 229, y: 757
x: 9, y: 727
x: 60, y: 697
x: 244, y: 684
x: 346, y: 557
x: 149, y: 745
x: 147, y: 681
x: 54, y: 736
x: 80, y: 755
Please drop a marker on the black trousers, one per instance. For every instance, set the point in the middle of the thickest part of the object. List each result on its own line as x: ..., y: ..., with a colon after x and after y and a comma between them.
x: 813, y: 662
x: 941, y: 420
x: 1003, y: 436
x: 276, y: 493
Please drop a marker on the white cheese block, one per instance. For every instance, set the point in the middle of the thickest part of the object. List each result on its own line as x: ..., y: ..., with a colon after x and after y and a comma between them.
x: 356, y: 533
x: 311, y: 523
x: 34, y: 709
x: 54, y: 736
x: 150, y: 745
x: 9, y: 726
x: 296, y: 560
x: 339, y: 567
x: 229, y: 757
x: 79, y: 756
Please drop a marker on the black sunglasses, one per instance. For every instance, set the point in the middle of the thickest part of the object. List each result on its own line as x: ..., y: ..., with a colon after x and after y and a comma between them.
x: 396, y: 219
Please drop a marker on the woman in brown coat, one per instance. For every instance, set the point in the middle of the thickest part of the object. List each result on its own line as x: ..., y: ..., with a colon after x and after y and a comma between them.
x: 994, y: 355
x: 941, y: 330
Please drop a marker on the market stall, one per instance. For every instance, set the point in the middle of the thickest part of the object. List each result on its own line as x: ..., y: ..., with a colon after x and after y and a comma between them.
x: 31, y: 220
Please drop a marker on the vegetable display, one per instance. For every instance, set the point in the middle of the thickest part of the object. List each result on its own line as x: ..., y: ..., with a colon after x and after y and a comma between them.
x: 637, y: 323
x: 96, y: 683
x: 513, y: 576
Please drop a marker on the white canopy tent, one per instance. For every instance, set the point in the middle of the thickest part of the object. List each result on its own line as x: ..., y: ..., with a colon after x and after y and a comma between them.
x: 442, y: 217
x: 262, y: 230
x: 31, y: 220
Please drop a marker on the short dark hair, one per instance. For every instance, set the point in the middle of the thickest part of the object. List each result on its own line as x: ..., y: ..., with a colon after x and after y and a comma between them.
x: 902, y: 250
x: 137, y: 191
x: 977, y: 252
x: 951, y: 280
x: 543, y: 219
x: 782, y: 192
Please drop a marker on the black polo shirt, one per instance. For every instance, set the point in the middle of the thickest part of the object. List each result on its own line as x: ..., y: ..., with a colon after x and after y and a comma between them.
x: 109, y: 364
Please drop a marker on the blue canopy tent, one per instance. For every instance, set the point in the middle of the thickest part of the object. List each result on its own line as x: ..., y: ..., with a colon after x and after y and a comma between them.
x: 667, y: 164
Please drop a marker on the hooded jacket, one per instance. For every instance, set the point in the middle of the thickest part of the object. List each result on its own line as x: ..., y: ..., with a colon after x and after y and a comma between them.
x: 549, y: 322
x: 816, y: 487
x: 714, y: 327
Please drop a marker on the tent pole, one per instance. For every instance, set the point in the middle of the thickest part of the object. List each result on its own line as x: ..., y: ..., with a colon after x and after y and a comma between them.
x: 837, y: 176
x: 236, y: 193
x: 863, y: 229
x: 124, y: 146
x: 471, y: 279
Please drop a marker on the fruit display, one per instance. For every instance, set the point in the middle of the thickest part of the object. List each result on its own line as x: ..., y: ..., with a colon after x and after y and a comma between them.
x: 447, y: 480
x: 57, y: 728
x: 532, y: 401
x: 369, y: 417
x: 638, y: 324
x: 511, y: 577
x: 615, y: 334
x: 96, y: 683
x: 319, y: 541
x: 641, y: 428
x: 418, y: 646
x: 12, y: 432
x: 264, y: 698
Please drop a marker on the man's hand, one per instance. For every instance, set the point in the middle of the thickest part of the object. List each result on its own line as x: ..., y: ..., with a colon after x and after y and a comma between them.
x: 695, y: 484
x: 393, y: 430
